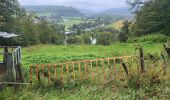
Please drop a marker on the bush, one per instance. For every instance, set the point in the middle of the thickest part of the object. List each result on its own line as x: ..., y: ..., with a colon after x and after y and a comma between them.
x: 151, y: 37
x: 104, y: 38
x: 74, y: 40
x: 123, y: 37
x: 168, y: 41
x: 86, y: 39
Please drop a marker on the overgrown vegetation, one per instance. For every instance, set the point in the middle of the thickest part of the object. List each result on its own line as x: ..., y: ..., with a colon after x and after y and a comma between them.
x: 149, y: 29
x: 32, y: 29
x: 139, y: 87
x: 150, y: 16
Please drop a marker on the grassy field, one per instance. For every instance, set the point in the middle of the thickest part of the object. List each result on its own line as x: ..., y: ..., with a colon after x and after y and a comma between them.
x: 44, y: 14
x: 53, y: 54
x: 70, y: 21
x: 117, y: 25
x: 44, y: 54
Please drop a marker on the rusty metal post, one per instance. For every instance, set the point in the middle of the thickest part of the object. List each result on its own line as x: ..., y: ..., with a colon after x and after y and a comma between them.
x: 97, y: 66
x: 67, y: 68
x: 104, y: 73
x: 79, y: 67
x: 85, y: 69
x: 49, y: 73
x: 110, y: 73
x: 55, y: 71
x: 115, y: 69
x: 74, y: 76
x: 62, y: 72
x: 91, y: 64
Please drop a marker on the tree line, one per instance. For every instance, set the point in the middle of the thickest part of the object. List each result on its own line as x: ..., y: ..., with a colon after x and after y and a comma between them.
x: 32, y: 29
x: 150, y: 17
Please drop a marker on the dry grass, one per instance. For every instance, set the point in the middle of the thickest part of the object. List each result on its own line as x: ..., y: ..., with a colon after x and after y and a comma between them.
x: 117, y: 25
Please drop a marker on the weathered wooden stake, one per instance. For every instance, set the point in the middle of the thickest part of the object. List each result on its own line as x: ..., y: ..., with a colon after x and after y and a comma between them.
x: 31, y: 74
x: 165, y: 65
x: 167, y: 49
x: 38, y: 73
x: 142, y: 64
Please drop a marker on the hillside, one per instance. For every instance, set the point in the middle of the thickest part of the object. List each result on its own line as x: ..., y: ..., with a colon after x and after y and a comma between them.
x: 117, y: 25
x: 116, y: 11
x: 58, y: 10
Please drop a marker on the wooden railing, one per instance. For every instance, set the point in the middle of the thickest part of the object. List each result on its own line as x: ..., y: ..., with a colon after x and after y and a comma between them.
x: 15, y: 52
x: 16, y: 55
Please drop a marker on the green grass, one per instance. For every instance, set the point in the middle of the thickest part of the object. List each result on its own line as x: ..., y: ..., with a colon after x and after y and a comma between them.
x: 155, y: 38
x: 54, y: 54
x: 71, y: 21
x: 117, y: 25
x: 44, y: 54
x: 44, y: 14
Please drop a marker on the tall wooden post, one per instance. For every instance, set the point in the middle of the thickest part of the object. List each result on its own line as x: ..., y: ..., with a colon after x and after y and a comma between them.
x: 142, y: 64
x: 5, y: 55
x: 11, y: 73
x: 167, y: 49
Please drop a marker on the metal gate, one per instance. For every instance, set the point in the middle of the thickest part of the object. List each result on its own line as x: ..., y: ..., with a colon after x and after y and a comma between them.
x: 100, y: 70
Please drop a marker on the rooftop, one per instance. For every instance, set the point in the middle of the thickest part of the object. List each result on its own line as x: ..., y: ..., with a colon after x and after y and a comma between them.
x: 8, y: 35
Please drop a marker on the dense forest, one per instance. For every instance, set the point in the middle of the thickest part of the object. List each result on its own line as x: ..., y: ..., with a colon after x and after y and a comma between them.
x: 150, y: 17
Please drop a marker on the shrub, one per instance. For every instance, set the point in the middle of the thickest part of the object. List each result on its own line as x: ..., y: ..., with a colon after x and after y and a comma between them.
x: 168, y: 41
x: 86, y: 39
x: 123, y: 37
x: 151, y: 37
x: 104, y: 38
x: 74, y: 40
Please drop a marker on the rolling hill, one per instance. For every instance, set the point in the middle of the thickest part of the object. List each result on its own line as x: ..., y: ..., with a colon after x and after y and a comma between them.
x: 116, y: 11
x: 58, y: 10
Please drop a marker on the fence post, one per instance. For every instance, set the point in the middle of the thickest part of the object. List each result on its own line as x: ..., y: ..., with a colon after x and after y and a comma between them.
x: 37, y: 73
x: 142, y: 64
x: 165, y: 65
x: 167, y: 49
x: 49, y: 73
x: 31, y: 67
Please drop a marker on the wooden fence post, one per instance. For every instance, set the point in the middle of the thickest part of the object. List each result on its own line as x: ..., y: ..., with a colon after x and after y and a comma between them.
x: 38, y: 73
x: 31, y: 67
x: 142, y: 64
x: 165, y: 65
x: 167, y: 49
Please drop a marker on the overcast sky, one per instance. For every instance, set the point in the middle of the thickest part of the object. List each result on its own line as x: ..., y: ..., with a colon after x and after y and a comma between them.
x: 91, y: 4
